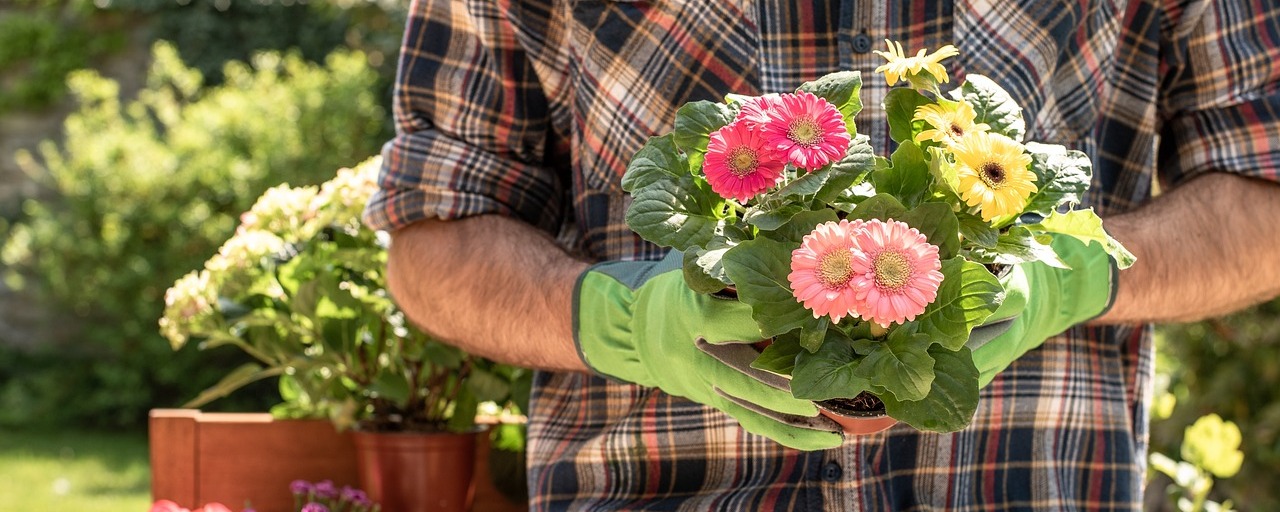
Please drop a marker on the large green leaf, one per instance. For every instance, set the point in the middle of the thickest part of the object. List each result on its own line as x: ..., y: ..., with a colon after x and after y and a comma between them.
x: 900, y: 109
x: 900, y: 365
x: 880, y: 206
x: 658, y: 160
x: 952, y: 398
x: 703, y: 267
x: 240, y: 377
x: 812, y: 336
x: 1086, y: 226
x: 486, y: 386
x: 694, y: 123
x: 800, y: 225
x: 669, y: 213
x: 772, y: 215
x: 858, y: 162
x: 759, y: 269
x: 1019, y: 245
x: 978, y: 231
x: 391, y: 385
x: 1062, y: 176
x: 938, y: 223
x: 842, y: 90
x: 908, y: 179
x: 967, y: 296
x: 831, y: 372
x: 780, y: 356
x: 994, y: 106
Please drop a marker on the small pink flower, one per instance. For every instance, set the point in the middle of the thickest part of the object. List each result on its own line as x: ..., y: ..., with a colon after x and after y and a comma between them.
x: 759, y: 110
x: 739, y: 163
x: 213, y: 507
x: 822, y: 271
x: 808, y: 130
x: 896, y: 272
x: 167, y: 506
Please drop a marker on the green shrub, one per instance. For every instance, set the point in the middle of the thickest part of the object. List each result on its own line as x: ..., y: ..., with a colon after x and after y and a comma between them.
x: 38, y: 49
x: 1229, y: 367
x: 146, y: 190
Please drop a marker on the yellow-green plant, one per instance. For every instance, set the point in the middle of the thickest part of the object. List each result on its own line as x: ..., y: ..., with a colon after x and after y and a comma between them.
x: 1210, y: 448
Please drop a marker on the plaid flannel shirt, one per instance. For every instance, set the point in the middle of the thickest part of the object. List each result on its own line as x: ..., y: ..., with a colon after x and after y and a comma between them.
x: 532, y: 108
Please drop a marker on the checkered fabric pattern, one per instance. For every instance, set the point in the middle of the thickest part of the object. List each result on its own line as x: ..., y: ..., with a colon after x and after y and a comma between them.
x: 532, y: 108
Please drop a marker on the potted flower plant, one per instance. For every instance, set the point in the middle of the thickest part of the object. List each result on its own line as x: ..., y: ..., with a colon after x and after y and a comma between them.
x: 301, y: 288
x: 868, y: 273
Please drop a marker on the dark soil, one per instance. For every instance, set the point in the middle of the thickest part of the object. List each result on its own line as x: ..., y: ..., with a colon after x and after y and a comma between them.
x: 863, y: 405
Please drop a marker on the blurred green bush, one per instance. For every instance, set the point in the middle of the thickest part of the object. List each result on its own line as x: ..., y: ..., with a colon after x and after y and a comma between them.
x: 146, y: 190
x: 1231, y: 367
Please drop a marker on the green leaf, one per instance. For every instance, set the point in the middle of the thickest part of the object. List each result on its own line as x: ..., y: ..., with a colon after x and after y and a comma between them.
x: 978, y: 231
x: 242, y: 376
x: 391, y: 385
x: 811, y: 336
x: 842, y: 90
x: 879, y: 206
x: 900, y: 108
x: 967, y: 296
x: 908, y: 179
x: 463, y: 418
x: 771, y: 216
x: 900, y: 365
x: 488, y: 387
x: 952, y: 398
x: 669, y: 213
x: 800, y: 225
x: 1062, y: 177
x: 658, y: 160
x: 938, y: 223
x: 759, y: 269
x: 441, y: 354
x: 858, y: 162
x: 831, y: 372
x: 1018, y: 245
x: 994, y: 106
x: 703, y: 267
x: 1086, y: 226
x: 780, y: 356
x: 694, y: 123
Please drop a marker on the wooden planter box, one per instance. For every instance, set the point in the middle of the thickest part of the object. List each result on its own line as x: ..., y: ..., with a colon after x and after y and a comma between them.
x: 197, y: 458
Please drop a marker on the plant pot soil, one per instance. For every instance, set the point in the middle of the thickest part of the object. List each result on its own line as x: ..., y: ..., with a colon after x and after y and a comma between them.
x: 860, y: 415
x: 414, y: 472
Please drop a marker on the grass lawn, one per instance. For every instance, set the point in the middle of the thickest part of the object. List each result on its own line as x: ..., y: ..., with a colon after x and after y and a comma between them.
x: 73, y: 471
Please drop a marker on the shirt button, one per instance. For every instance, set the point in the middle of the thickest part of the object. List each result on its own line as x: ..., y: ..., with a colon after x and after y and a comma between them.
x: 832, y: 472
x: 861, y: 43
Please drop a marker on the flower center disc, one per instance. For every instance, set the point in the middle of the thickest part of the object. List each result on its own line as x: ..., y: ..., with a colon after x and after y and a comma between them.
x: 804, y: 131
x: 892, y: 270
x: 957, y: 130
x: 742, y: 161
x: 836, y: 269
x: 992, y: 173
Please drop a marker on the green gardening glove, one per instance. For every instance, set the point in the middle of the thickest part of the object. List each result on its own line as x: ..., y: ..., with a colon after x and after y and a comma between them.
x: 1041, y: 302
x: 638, y: 322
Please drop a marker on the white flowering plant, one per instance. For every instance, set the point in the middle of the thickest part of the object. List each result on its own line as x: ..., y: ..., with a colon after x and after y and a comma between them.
x: 869, y: 273
x: 301, y: 288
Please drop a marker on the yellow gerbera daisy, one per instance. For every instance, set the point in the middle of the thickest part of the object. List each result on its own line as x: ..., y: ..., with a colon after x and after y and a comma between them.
x: 951, y: 120
x: 908, y: 68
x: 993, y: 174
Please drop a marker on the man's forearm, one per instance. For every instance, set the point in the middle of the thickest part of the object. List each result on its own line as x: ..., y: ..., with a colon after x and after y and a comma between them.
x: 1205, y: 249
x: 491, y: 285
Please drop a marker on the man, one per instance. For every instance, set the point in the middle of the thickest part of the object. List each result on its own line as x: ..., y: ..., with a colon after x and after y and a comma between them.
x: 516, y: 121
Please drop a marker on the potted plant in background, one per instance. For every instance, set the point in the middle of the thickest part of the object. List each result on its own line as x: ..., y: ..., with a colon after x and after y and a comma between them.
x: 301, y: 288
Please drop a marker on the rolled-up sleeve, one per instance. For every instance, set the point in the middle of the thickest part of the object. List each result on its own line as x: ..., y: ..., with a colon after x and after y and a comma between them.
x: 1221, y: 74
x: 473, y: 127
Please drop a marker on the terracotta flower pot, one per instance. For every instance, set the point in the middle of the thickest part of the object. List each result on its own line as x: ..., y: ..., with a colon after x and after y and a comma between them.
x: 412, y: 472
x: 856, y: 422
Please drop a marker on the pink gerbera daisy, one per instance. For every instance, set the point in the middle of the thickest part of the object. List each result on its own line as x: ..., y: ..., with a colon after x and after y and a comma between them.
x: 739, y: 163
x: 807, y: 129
x: 759, y: 110
x: 822, y: 270
x: 896, y: 272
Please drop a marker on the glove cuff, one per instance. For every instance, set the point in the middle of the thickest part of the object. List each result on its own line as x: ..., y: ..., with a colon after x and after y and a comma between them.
x: 602, y: 322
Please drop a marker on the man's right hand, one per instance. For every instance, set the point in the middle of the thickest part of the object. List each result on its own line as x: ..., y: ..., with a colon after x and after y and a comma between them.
x: 638, y: 322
